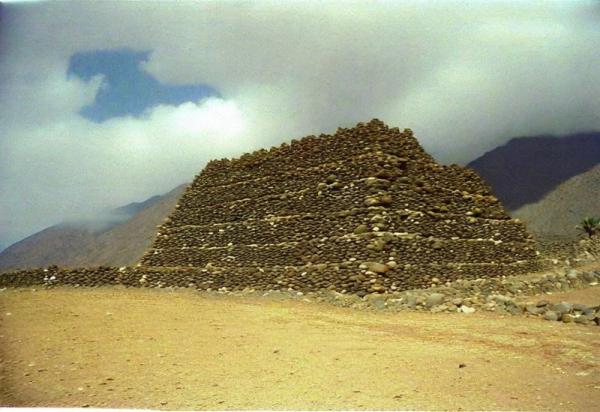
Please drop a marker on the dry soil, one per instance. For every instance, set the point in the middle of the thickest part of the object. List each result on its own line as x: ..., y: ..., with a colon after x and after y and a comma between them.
x: 137, y: 348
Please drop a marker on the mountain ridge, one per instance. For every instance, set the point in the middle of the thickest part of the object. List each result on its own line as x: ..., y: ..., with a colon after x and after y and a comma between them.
x: 524, y: 169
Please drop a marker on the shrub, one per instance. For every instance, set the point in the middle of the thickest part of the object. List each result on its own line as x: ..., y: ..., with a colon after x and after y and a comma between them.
x: 590, y: 226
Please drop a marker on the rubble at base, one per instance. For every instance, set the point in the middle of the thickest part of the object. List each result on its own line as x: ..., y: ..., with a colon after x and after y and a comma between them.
x: 502, y: 295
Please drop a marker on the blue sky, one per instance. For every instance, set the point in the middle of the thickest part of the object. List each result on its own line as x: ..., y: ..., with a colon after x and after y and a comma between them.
x: 126, y: 88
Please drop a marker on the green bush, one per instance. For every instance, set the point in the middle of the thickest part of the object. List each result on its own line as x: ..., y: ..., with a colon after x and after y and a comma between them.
x: 590, y: 226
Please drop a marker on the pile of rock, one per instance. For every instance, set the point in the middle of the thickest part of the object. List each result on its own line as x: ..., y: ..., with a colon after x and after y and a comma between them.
x: 364, y: 210
x: 503, y: 296
x: 499, y: 294
x: 514, y: 286
x: 565, y: 312
x: 588, y: 249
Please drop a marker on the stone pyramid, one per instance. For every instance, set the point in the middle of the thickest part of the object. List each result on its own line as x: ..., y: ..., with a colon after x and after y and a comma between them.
x: 364, y: 210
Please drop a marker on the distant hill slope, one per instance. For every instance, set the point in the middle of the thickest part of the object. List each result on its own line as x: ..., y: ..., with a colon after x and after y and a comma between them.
x: 73, y: 244
x: 135, y: 207
x: 558, y: 212
x: 527, y: 168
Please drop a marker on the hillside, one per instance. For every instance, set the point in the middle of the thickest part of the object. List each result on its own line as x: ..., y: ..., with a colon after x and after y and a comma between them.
x: 125, y: 243
x: 56, y: 244
x: 525, y: 169
x: 73, y: 244
x: 559, y: 211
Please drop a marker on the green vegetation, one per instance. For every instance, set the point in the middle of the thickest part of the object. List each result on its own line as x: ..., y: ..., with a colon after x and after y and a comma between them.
x: 590, y: 226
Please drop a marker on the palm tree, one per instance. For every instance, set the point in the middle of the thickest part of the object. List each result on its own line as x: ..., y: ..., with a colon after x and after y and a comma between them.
x: 590, y: 225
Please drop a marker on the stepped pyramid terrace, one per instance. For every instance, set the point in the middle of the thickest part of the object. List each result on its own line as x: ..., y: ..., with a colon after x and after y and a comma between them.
x: 363, y: 210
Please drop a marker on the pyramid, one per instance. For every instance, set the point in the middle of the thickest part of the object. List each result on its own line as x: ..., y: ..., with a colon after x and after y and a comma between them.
x: 361, y: 211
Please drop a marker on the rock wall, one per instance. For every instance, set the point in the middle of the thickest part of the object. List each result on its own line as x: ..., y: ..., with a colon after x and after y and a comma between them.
x: 556, y: 247
x: 588, y: 248
x: 562, y: 249
x: 364, y: 210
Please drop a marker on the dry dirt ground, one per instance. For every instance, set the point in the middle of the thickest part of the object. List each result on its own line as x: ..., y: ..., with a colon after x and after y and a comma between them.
x: 136, y: 348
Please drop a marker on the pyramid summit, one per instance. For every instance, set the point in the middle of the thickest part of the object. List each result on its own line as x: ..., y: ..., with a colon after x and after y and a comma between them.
x: 363, y: 210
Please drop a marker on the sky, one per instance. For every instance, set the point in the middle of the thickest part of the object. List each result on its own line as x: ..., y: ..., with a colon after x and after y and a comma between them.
x: 106, y: 103
x: 126, y: 89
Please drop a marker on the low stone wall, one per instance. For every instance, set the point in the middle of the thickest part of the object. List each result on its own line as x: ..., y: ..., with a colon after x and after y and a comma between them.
x: 588, y: 248
x: 556, y: 248
x: 361, y: 280
x: 503, y: 295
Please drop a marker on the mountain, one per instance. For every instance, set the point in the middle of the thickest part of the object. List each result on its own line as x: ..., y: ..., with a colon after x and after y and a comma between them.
x: 122, y: 243
x: 559, y: 211
x: 56, y: 244
x: 136, y: 207
x: 525, y: 169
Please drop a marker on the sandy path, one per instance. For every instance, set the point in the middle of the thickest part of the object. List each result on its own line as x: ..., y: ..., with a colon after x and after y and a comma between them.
x: 157, y: 349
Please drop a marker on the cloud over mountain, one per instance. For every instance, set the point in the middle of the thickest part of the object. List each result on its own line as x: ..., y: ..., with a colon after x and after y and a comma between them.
x: 465, y: 79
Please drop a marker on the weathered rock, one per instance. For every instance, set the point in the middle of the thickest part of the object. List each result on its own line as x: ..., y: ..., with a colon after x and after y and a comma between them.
x: 588, y: 277
x: 567, y: 318
x: 561, y: 308
x: 542, y: 303
x: 392, y: 264
x: 376, y: 267
x: 360, y: 229
x: 513, y: 309
x: 377, y: 301
x: 579, y: 307
x: 411, y: 301
x: 434, y: 299
x: 331, y: 178
x: 534, y: 310
x: 550, y: 315
x: 386, y: 200
x: 467, y: 309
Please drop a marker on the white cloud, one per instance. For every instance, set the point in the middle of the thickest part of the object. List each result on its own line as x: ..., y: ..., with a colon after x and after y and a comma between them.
x: 74, y: 167
x: 465, y: 78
